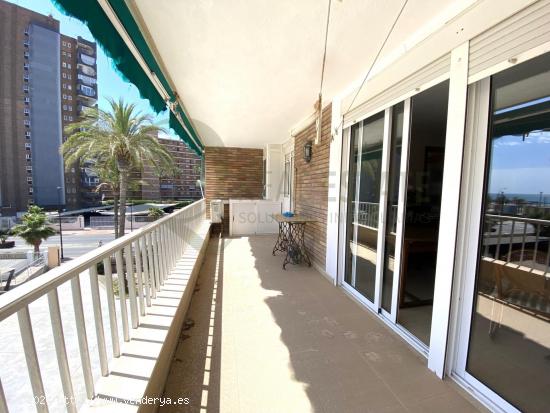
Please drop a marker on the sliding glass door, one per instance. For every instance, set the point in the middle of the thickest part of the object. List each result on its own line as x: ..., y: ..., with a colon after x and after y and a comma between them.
x: 505, y: 349
x: 395, y: 170
x: 363, y: 208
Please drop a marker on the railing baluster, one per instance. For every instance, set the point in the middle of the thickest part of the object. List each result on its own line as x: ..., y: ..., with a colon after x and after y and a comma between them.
x: 3, y: 402
x: 122, y: 295
x: 29, y: 348
x: 153, y: 271
x: 510, y: 246
x: 158, y: 267
x: 497, y: 251
x: 111, y: 304
x: 146, y: 278
x: 82, y: 336
x: 61, y: 350
x: 536, y: 247
x: 171, y: 244
x: 98, y: 318
x: 523, y: 242
x: 131, y: 285
x: 163, y: 252
x: 139, y: 276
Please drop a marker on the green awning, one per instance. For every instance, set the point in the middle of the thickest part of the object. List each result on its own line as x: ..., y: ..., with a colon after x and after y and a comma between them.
x: 91, y: 13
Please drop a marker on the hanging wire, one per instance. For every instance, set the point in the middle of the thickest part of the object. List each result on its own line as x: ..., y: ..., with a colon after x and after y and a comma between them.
x: 325, y: 50
x: 375, y: 59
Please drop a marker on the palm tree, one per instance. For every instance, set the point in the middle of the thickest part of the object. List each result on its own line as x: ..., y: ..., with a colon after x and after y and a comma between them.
x: 34, y: 229
x: 122, y: 136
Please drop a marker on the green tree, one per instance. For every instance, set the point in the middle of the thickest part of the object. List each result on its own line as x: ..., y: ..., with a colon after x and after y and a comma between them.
x: 34, y: 229
x: 155, y: 213
x: 121, y: 136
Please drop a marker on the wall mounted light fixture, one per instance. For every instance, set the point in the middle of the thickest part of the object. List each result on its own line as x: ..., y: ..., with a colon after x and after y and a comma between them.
x: 308, y: 151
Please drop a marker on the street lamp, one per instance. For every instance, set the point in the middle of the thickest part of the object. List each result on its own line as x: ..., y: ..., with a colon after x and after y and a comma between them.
x: 59, y: 189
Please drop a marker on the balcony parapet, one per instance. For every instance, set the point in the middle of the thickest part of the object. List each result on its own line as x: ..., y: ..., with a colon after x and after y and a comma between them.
x: 159, y: 263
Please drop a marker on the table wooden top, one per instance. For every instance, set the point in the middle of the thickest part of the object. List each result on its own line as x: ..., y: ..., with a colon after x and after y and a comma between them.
x: 296, y: 219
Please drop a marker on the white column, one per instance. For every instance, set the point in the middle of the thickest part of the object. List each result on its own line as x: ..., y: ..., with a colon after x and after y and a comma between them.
x: 450, y: 197
x: 333, y: 208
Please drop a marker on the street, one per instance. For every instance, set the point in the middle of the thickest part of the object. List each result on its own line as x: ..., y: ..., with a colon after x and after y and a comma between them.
x: 75, y: 243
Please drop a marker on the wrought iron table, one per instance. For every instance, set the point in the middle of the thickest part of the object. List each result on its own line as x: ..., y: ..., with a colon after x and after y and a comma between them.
x: 291, y: 239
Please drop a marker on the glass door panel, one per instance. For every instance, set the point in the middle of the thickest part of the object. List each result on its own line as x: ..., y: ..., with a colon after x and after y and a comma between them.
x: 352, y: 210
x: 422, y: 209
x: 363, y: 205
x: 509, y: 346
x: 396, y: 140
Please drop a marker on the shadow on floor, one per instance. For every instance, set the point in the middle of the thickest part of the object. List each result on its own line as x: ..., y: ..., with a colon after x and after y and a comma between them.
x: 292, y: 342
x: 195, y: 370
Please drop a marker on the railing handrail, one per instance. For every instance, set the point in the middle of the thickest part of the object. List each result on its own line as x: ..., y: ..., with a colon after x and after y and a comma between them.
x: 521, y: 219
x: 40, y: 286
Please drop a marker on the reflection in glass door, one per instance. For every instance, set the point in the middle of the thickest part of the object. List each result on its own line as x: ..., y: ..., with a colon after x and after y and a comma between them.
x: 509, y: 344
x: 366, y: 143
x: 395, y: 145
x: 422, y: 209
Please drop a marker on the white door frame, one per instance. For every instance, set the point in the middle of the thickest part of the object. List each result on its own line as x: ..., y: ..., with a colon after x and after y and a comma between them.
x: 477, y: 125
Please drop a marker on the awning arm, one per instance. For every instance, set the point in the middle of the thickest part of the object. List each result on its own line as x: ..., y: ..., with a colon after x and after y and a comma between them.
x: 173, y: 102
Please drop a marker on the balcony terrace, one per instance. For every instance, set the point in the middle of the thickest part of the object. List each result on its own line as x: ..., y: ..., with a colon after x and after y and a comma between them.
x: 253, y: 332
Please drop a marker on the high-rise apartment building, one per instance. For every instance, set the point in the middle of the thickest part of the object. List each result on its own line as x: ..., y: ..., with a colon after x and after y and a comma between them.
x: 46, y: 79
x: 146, y: 184
x: 188, y: 165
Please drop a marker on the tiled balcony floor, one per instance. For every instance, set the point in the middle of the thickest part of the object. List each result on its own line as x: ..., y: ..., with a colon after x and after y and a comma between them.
x: 268, y: 340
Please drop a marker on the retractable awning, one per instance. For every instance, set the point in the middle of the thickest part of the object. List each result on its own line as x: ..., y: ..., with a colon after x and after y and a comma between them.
x: 115, y: 29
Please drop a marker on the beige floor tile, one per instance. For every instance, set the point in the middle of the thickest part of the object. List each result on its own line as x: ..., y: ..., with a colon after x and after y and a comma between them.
x: 289, y: 341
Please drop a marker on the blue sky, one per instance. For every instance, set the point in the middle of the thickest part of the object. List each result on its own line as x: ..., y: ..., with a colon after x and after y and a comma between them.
x: 521, y: 166
x: 110, y: 84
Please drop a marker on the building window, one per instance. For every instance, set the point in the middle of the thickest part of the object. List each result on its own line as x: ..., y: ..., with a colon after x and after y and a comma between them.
x: 64, y: 96
x: 26, y: 111
x: 30, y: 191
x: 26, y: 43
x: 27, y: 122
x: 69, y: 54
x: 28, y: 134
x: 26, y: 66
x: 28, y: 156
x: 26, y: 89
x: 64, y: 86
x: 27, y: 146
x: 64, y: 53
x: 69, y: 87
x: 29, y: 179
x: 64, y: 43
x: 29, y: 168
x: 70, y: 118
x: 64, y: 107
x: 64, y: 75
x: 65, y: 117
x: 26, y: 55
x: 27, y: 100
x: 64, y: 64
x: 69, y: 45
x: 26, y: 77
x: 69, y: 97
x: 68, y: 65
x: 69, y: 77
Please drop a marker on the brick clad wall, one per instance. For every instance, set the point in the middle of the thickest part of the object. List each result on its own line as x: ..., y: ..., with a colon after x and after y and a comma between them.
x: 311, y: 186
x: 232, y: 173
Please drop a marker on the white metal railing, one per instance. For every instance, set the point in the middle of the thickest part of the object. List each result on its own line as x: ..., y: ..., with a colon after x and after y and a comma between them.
x: 108, y: 221
x: 144, y: 257
x: 367, y: 213
x: 523, y: 241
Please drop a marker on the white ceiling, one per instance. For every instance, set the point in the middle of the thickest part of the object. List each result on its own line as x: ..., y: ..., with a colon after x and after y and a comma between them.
x: 249, y: 70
